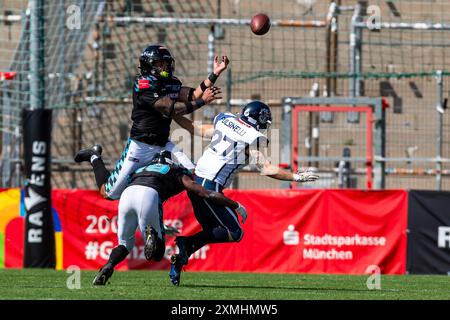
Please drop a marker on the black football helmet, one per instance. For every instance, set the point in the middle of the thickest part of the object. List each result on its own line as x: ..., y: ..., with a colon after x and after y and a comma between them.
x: 154, y: 53
x: 163, y: 157
x: 257, y: 114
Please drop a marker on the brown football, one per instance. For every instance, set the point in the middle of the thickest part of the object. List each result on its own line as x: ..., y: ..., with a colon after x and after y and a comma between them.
x: 260, y: 24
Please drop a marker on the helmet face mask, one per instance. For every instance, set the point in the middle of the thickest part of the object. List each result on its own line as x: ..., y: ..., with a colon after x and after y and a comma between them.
x: 163, y: 68
x: 265, y: 119
x: 157, y: 61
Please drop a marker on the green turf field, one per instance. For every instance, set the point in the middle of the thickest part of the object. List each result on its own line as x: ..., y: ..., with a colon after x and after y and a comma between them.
x: 49, y: 284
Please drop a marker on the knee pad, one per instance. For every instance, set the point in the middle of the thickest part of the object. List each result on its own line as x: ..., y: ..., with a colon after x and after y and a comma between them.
x: 160, y: 249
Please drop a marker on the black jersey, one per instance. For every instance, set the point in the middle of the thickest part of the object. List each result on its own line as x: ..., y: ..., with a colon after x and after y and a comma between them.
x: 149, y: 125
x: 166, y: 179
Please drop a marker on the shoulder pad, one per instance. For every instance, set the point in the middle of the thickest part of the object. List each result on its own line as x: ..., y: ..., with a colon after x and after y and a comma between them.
x: 143, y: 83
x: 221, y: 116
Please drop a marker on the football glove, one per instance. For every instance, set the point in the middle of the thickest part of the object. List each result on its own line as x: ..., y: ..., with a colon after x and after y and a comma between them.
x: 305, y: 176
x: 242, y: 212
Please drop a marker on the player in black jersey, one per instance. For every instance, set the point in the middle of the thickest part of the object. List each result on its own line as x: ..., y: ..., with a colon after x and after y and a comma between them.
x: 158, y: 96
x: 140, y: 206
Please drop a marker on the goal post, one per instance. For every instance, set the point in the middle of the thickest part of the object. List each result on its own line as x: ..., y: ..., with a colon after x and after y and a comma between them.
x: 299, y: 110
x: 304, y: 121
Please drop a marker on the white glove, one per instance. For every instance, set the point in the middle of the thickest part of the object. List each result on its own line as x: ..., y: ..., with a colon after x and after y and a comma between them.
x: 242, y: 212
x: 305, y: 176
x: 170, y: 231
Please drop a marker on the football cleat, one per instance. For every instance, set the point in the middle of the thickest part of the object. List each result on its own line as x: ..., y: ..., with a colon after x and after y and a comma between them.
x: 150, y: 242
x: 182, y: 247
x: 175, y: 270
x: 103, y: 276
x: 86, y: 154
x: 170, y: 230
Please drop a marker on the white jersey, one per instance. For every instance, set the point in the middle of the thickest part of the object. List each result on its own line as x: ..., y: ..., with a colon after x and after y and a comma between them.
x: 226, y: 154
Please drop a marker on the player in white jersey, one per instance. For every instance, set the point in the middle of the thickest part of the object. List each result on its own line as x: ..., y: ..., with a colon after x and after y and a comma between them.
x: 226, y: 153
x: 235, y: 140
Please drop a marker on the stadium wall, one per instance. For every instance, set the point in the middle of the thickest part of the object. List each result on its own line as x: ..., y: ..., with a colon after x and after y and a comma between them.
x: 288, y: 231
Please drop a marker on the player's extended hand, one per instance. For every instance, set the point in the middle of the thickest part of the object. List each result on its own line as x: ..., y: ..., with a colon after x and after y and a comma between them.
x: 219, y: 66
x: 211, y: 94
x: 242, y: 212
x: 305, y: 175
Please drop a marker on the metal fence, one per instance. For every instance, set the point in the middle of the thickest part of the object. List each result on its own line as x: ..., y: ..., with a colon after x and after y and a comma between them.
x: 90, y: 65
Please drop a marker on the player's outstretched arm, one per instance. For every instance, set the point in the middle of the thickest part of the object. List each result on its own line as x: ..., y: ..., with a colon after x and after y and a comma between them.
x: 219, y: 66
x: 275, y: 172
x: 191, y: 94
x: 215, y: 197
x: 172, y: 108
x: 195, y: 128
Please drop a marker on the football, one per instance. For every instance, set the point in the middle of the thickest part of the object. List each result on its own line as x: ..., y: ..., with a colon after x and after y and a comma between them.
x: 260, y: 24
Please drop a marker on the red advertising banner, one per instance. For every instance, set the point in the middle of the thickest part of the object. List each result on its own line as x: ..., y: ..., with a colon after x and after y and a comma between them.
x: 316, y: 231
x: 287, y: 231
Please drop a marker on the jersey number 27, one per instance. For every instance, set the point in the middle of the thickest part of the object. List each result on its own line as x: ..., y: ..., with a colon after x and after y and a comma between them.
x: 222, y: 144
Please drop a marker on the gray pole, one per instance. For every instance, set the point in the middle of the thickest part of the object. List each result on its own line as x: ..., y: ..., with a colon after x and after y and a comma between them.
x: 18, y: 137
x: 440, y: 115
x: 286, y: 137
x: 37, y: 81
x: 353, y: 50
x: 208, y: 112
x: 211, y: 40
x: 355, y: 59
x: 6, y: 139
x: 229, y: 84
x: 379, y: 146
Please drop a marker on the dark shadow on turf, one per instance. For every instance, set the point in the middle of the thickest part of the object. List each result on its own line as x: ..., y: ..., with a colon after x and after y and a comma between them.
x: 271, y: 287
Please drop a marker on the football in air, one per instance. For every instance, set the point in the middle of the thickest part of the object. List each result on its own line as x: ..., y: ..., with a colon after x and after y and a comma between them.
x: 260, y: 24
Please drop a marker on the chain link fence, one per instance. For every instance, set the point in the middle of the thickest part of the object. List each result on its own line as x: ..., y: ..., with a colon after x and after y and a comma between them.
x: 91, y: 58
